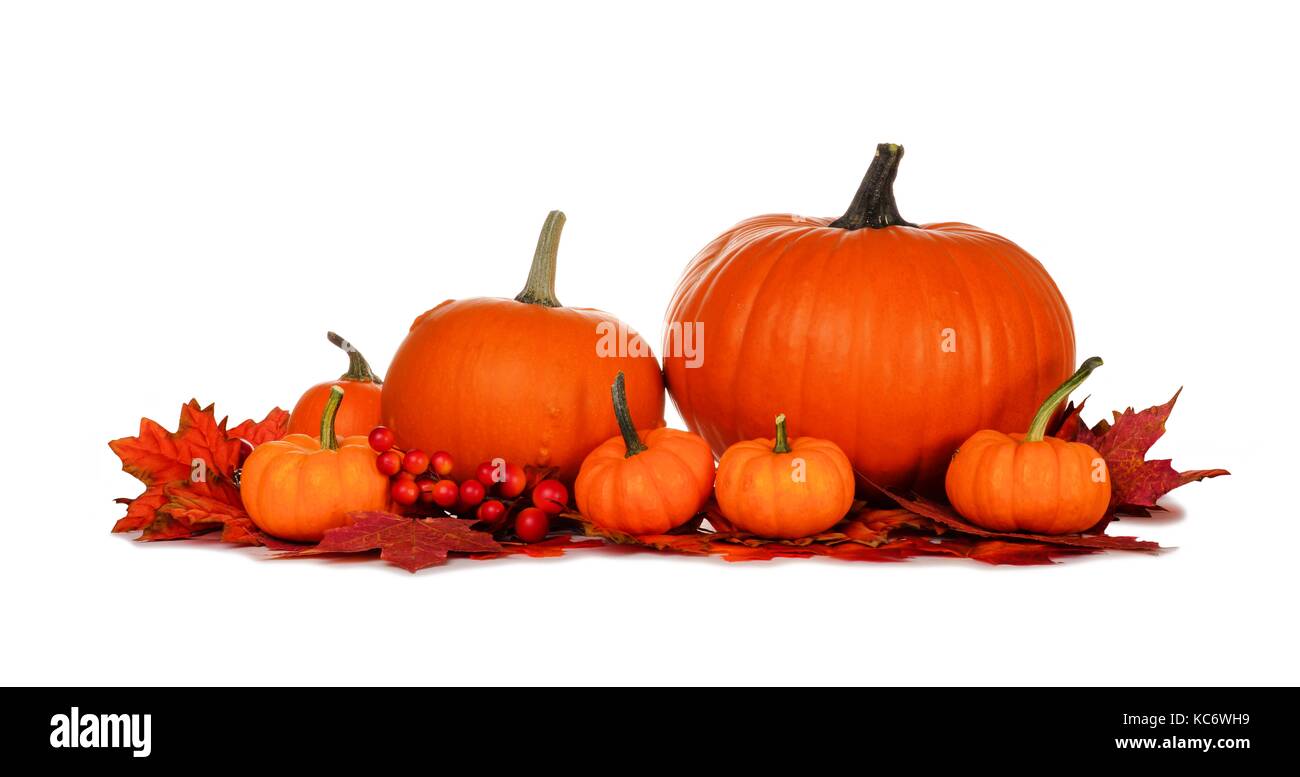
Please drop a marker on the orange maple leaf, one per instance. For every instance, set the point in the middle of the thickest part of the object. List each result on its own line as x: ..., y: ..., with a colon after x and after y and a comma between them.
x: 189, y: 472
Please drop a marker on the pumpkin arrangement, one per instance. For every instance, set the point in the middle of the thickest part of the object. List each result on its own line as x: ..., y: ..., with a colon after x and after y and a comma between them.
x: 916, y: 379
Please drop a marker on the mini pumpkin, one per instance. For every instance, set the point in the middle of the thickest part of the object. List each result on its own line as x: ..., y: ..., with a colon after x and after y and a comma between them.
x: 644, y: 482
x: 784, y: 488
x: 300, y: 487
x: 362, y: 411
x: 1029, y: 482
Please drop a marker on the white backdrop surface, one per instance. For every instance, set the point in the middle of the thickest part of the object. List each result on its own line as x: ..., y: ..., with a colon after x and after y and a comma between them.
x: 192, y: 194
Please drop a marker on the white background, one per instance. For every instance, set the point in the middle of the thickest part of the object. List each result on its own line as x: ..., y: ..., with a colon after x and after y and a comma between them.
x: 192, y: 194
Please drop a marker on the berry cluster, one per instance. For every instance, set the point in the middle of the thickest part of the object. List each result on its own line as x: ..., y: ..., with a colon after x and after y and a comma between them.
x: 421, y: 479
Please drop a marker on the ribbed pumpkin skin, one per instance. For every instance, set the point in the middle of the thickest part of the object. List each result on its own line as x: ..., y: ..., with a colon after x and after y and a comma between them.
x: 358, y: 415
x: 843, y: 331
x: 757, y: 492
x: 489, y: 377
x: 1045, y: 487
x: 651, y: 492
x: 296, y: 491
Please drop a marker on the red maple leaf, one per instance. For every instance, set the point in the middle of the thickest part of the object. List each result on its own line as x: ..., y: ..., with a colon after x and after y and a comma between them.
x: 410, y: 543
x: 188, y: 473
x: 1136, y: 482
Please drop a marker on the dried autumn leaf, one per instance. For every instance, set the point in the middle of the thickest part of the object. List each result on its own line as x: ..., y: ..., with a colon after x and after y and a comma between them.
x: 187, y: 473
x: 692, y: 543
x: 196, y: 504
x: 945, y: 516
x: 143, y: 510
x: 166, y: 528
x: 274, y: 427
x: 843, y: 551
x: 192, y: 509
x: 551, y: 547
x: 410, y: 543
x: 1067, y: 426
x: 1136, y: 482
x: 242, y: 531
x: 156, y: 455
x: 874, y: 526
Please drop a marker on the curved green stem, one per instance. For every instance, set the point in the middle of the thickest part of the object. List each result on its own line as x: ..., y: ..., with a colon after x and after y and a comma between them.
x: 328, y: 441
x: 1044, y: 414
x: 782, y: 444
x: 631, y: 440
x: 540, y: 288
x: 358, y: 368
x: 873, y: 206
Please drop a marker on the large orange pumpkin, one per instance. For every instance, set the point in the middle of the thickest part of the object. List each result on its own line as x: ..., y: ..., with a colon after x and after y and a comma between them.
x: 524, y: 379
x: 894, y: 340
x: 359, y: 415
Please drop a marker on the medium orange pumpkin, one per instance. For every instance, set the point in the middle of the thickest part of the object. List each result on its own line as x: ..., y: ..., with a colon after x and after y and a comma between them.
x: 784, y: 488
x: 359, y: 415
x: 300, y: 487
x: 524, y: 379
x: 892, y: 339
x: 644, y: 482
x: 1028, y: 482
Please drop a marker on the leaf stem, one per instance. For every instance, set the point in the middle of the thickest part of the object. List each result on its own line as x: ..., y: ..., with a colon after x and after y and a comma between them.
x: 1039, y: 425
x: 328, y: 440
x: 618, y: 392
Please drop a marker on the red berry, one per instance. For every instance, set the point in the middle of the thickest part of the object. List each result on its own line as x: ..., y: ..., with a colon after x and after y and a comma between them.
x: 551, y: 496
x: 532, y: 524
x: 486, y: 473
x: 491, y: 511
x: 515, y: 482
x: 245, y: 448
x: 445, y: 493
x: 426, y: 490
x: 471, y: 493
x: 389, y: 463
x: 405, y: 491
x: 442, y: 463
x: 416, y: 462
x: 382, y: 439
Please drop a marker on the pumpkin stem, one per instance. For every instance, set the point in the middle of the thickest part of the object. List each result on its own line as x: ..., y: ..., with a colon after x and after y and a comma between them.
x: 782, y: 444
x: 1039, y: 425
x: 328, y: 440
x: 540, y: 288
x: 873, y: 206
x: 631, y: 440
x: 358, y: 368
